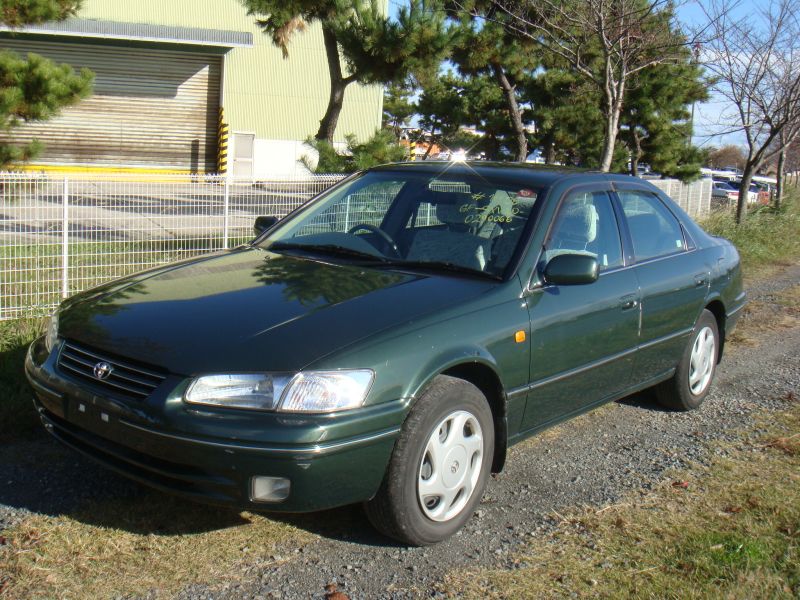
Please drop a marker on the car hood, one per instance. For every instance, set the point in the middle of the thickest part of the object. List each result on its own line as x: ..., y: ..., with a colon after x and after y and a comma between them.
x: 251, y: 310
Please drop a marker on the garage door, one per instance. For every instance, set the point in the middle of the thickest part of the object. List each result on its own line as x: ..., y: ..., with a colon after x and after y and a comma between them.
x: 150, y: 108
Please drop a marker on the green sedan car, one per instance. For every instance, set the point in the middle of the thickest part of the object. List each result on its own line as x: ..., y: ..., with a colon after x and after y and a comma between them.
x: 388, y: 341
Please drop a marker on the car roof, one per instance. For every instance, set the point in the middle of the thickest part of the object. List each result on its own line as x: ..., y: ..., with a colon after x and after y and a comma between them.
x: 539, y: 175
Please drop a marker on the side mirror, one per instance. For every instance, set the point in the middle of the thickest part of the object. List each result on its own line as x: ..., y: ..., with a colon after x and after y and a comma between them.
x: 571, y: 269
x: 264, y: 223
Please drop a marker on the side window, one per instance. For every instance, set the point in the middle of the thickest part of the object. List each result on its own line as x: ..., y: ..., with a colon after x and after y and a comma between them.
x: 654, y: 229
x: 586, y: 225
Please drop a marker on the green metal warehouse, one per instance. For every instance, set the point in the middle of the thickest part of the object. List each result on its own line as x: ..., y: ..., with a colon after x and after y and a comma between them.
x: 186, y: 86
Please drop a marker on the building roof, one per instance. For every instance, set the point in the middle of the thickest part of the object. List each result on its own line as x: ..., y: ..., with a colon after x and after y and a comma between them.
x: 140, y: 32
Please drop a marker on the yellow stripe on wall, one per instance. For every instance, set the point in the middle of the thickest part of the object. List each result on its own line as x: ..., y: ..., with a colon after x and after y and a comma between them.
x: 223, y: 133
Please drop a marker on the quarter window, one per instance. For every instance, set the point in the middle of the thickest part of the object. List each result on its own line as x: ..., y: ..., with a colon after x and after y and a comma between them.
x: 654, y: 229
x: 586, y: 225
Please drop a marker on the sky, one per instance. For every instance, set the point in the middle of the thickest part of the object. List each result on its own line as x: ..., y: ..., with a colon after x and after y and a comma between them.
x: 707, y: 114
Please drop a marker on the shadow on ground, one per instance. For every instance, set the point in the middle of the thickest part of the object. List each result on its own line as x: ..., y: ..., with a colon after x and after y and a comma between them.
x: 41, y: 476
x: 18, y: 419
x: 646, y: 400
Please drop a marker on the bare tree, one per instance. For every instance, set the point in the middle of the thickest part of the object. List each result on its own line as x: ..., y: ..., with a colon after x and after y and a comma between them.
x: 756, y: 63
x: 608, y: 42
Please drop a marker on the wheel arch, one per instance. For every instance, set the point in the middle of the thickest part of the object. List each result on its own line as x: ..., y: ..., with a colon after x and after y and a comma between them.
x: 482, y: 373
x: 717, y: 308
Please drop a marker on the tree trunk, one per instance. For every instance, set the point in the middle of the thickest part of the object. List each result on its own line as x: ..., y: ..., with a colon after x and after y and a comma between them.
x: 780, y: 184
x: 509, y: 91
x: 610, y: 138
x: 431, y: 142
x: 744, y: 189
x: 636, y: 154
x: 327, y: 126
x: 613, y: 101
x: 549, y: 150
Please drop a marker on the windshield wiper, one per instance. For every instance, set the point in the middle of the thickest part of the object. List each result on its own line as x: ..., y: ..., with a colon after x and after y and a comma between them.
x: 437, y: 265
x: 330, y: 249
x: 334, y: 250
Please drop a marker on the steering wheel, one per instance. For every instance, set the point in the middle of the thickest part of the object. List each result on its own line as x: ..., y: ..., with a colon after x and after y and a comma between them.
x: 381, y: 233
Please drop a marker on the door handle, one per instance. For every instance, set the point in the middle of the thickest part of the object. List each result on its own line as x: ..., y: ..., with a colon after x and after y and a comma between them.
x: 628, y: 302
x: 700, y: 280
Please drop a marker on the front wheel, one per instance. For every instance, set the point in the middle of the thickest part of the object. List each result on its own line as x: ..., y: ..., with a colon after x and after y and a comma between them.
x: 439, y: 467
x: 692, y: 380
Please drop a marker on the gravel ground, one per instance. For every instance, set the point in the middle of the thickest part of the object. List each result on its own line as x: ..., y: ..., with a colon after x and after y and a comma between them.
x: 622, y: 448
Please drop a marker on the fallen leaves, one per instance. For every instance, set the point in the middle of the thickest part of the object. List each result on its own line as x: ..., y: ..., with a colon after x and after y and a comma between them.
x: 332, y: 593
x: 789, y: 445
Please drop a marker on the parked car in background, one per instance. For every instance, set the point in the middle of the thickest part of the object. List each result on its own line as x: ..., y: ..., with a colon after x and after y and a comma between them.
x: 753, y: 193
x: 763, y: 190
x: 724, y: 190
x: 388, y: 341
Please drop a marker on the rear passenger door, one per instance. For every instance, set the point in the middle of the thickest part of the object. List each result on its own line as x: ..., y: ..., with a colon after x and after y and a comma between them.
x: 673, y: 280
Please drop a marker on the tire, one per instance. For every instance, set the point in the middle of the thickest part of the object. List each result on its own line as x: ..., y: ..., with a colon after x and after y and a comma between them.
x: 692, y: 381
x: 420, y: 502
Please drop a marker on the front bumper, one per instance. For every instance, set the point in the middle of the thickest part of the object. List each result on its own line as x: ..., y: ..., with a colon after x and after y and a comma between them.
x: 211, y: 455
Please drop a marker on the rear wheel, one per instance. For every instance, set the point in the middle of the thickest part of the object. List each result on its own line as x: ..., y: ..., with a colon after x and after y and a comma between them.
x: 692, y: 380
x: 439, y: 466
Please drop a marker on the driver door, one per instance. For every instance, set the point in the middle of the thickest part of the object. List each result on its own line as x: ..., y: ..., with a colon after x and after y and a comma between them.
x: 583, y: 337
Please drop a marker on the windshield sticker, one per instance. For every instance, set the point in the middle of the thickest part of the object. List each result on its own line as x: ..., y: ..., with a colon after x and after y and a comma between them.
x: 494, y: 212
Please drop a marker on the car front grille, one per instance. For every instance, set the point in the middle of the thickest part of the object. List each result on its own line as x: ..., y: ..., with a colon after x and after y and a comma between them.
x: 125, y: 379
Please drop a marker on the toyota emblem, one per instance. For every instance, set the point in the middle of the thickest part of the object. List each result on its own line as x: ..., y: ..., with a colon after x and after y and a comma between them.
x: 102, y: 370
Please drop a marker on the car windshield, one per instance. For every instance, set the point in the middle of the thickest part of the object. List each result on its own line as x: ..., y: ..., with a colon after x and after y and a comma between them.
x: 454, y: 223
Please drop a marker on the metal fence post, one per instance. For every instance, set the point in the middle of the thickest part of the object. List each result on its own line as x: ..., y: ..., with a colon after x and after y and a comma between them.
x: 65, y: 240
x: 226, y: 205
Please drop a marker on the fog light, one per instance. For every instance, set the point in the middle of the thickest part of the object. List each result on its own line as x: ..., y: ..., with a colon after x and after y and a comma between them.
x: 269, y: 489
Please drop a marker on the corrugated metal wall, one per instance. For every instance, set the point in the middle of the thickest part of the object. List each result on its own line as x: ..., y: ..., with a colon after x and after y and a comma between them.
x: 150, y: 108
x: 265, y: 94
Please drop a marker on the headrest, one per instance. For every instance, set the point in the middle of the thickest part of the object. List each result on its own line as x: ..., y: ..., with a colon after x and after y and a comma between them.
x: 580, y: 223
x: 455, y: 212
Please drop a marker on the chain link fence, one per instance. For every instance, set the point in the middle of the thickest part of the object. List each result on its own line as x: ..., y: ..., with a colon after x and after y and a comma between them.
x: 59, y: 236
x: 694, y: 198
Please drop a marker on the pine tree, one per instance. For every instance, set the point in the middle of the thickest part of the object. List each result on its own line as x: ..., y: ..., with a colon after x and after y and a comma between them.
x: 374, y: 47
x: 487, y: 110
x: 398, y: 107
x: 442, y: 108
x: 568, y: 118
x: 379, y: 149
x: 33, y: 88
x: 485, y: 47
x: 655, y: 118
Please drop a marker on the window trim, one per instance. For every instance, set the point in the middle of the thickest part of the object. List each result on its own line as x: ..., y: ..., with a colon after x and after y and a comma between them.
x: 595, y: 186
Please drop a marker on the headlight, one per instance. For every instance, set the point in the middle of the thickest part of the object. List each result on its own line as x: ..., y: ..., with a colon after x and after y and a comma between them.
x: 254, y: 391
x: 309, y: 392
x: 327, y: 391
x: 51, y: 336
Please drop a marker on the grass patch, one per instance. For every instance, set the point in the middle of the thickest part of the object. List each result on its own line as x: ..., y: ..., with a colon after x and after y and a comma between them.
x: 766, y: 317
x: 18, y: 419
x: 31, y: 275
x: 732, y: 531
x: 766, y: 237
x: 124, y: 547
